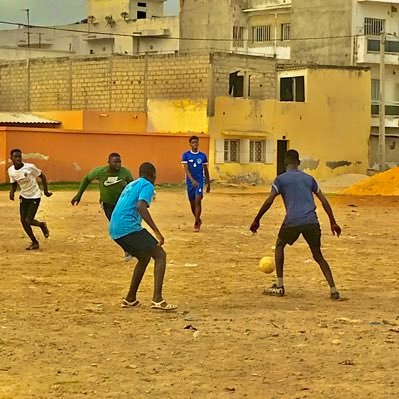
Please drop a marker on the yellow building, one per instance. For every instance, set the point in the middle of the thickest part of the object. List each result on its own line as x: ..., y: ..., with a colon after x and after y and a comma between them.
x: 323, y: 112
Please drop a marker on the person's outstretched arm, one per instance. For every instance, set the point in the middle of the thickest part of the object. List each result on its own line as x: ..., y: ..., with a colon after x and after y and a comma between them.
x: 265, y: 207
x: 336, y: 230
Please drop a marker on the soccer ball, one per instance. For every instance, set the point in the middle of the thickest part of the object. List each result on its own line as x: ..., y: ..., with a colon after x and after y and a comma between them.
x: 266, y: 265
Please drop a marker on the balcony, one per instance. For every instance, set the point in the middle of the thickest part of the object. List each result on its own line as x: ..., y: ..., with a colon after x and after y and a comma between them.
x: 368, y: 50
x: 391, y: 114
x: 379, y: 1
x: 267, y: 5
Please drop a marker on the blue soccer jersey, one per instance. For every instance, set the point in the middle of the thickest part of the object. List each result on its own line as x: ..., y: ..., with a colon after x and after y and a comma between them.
x: 195, y: 162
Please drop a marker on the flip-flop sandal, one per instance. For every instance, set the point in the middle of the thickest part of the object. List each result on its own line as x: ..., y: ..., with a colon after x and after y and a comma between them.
x: 162, y: 306
x: 127, y: 304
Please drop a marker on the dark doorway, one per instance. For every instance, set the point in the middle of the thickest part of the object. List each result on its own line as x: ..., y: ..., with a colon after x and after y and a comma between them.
x: 282, y: 147
x: 236, y: 85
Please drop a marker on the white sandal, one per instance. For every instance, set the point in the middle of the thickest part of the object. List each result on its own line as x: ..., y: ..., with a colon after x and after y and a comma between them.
x: 162, y: 306
x: 127, y: 304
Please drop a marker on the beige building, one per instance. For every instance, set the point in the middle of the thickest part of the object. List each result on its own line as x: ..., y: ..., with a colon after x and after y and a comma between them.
x: 253, y: 27
x: 111, y: 27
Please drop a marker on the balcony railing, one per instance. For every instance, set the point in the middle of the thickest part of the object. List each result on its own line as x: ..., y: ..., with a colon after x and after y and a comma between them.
x: 390, y: 109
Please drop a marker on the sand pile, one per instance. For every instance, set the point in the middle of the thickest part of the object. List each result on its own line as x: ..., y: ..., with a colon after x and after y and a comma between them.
x: 341, y: 182
x: 386, y: 183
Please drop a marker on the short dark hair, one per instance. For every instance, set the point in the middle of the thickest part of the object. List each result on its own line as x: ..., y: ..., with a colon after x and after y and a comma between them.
x: 113, y: 154
x: 292, y: 157
x: 13, y: 151
x: 147, y: 169
x: 193, y: 138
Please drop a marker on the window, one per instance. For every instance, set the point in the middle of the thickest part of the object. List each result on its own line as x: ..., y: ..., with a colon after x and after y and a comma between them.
x: 257, y: 151
x: 292, y: 89
x: 373, y: 45
x: 141, y: 15
x: 285, y: 31
x: 231, y: 150
x: 238, y: 36
x: 139, y: 4
x: 375, y: 90
x: 374, y: 26
x: 261, y: 34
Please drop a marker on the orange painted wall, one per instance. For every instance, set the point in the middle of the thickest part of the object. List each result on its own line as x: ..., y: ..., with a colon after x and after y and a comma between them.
x: 99, y: 121
x: 3, y: 154
x: 115, y: 121
x: 72, y: 154
x: 71, y: 120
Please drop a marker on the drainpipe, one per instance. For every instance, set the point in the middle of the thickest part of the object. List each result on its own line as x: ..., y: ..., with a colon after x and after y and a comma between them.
x: 275, y: 35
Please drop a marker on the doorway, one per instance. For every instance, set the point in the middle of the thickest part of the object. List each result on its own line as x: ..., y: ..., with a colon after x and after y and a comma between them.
x: 282, y: 147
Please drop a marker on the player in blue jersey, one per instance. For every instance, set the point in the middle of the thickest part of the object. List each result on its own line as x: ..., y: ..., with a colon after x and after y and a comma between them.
x: 126, y: 230
x: 297, y: 190
x: 195, y: 165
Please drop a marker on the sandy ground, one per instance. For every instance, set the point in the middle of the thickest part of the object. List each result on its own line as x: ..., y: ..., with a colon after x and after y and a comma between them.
x: 63, y: 334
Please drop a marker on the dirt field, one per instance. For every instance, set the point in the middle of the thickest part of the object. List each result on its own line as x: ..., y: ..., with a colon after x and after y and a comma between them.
x: 63, y: 334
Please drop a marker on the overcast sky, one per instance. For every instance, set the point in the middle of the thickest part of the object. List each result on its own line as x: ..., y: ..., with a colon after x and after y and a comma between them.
x: 54, y: 12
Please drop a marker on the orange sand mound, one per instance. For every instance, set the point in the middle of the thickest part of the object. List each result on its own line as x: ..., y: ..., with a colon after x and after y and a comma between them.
x: 386, y: 183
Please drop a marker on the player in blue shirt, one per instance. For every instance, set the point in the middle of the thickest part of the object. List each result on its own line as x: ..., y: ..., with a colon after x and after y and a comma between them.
x: 196, y: 167
x: 297, y: 189
x: 126, y: 230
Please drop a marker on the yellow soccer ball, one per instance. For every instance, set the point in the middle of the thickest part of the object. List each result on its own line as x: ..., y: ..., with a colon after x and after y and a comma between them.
x: 266, y: 265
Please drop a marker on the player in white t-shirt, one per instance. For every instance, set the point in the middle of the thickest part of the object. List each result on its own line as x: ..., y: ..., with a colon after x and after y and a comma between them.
x: 24, y: 175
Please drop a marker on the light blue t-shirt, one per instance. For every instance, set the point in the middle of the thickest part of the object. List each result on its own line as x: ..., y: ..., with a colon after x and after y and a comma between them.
x: 196, y: 162
x: 125, y: 218
x: 297, y: 189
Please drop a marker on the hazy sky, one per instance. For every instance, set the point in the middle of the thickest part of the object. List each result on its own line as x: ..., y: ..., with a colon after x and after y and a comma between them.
x: 53, y: 12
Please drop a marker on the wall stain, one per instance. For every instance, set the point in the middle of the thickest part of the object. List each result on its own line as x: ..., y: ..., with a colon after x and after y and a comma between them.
x: 36, y: 155
x: 309, y: 163
x: 337, y: 164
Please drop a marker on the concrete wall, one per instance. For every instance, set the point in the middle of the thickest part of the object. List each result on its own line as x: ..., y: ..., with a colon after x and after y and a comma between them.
x: 125, y: 83
x: 118, y: 83
x: 330, y: 130
x: 210, y: 20
x: 69, y: 155
x: 391, y: 150
x: 321, y: 18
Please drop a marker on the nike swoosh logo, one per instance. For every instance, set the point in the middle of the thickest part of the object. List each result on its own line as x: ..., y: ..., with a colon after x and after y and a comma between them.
x: 107, y: 183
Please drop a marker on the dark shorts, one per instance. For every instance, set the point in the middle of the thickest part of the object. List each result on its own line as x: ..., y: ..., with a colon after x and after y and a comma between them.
x: 193, y: 192
x: 311, y: 233
x: 138, y: 243
x: 28, y: 208
x: 108, y: 209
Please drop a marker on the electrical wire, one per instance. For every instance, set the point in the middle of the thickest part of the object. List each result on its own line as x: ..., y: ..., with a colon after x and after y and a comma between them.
x: 53, y: 28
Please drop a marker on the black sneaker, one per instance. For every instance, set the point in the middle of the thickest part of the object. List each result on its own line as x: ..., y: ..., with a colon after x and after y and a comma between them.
x: 335, y: 296
x: 274, y: 291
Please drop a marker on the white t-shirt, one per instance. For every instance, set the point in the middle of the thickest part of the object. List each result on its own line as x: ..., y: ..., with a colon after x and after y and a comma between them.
x: 26, y: 179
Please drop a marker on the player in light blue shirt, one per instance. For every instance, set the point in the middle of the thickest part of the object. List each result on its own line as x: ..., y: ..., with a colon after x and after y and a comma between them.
x: 298, y: 190
x: 195, y: 165
x: 126, y: 230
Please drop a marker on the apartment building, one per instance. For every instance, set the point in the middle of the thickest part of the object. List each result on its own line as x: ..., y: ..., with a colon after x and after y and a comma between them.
x: 111, y: 26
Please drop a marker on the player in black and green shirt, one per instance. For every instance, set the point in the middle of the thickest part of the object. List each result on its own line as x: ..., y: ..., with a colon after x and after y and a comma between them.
x: 112, y: 179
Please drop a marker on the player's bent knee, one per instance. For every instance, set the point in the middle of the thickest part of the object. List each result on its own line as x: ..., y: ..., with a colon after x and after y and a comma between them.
x: 159, y: 254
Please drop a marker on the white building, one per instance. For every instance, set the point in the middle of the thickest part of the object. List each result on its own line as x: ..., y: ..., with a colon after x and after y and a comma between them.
x: 112, y: 26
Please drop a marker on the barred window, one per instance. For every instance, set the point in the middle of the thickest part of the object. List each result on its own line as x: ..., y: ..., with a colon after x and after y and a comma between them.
x: 374, y: 26
x: 285, y: 31
x: 257, y: 151
x: 262, y: 33
x: 232, y: 151
x: 238, y: 36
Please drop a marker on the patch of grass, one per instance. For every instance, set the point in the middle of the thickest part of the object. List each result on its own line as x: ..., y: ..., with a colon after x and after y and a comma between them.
x: 74, y: 186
